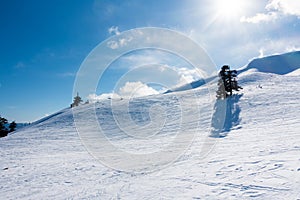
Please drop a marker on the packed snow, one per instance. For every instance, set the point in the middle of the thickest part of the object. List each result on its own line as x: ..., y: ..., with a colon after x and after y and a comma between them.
x: 254, y: 155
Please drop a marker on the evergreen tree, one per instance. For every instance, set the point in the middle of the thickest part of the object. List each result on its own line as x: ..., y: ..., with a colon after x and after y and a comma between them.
x: 227, y: 82
x: 77, y: 100
x: 12, y: 126
x: 3, y: 130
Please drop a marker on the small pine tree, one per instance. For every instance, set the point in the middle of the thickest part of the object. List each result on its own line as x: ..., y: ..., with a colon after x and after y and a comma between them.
x: 3, y: 130
x: 12, y: 126
x: 77, y: 100
x: 227, y: 82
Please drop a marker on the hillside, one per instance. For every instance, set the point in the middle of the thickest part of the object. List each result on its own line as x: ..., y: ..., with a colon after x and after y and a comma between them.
x: 280, y: 64
x: 277, y: 64
x: 187, y: 152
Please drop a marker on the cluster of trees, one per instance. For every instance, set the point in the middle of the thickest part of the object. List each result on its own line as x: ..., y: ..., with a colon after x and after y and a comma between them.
x: 3, y: 130
x: 227, y: 82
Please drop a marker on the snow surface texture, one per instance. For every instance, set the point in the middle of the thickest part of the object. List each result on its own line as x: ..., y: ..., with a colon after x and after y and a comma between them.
x: 254, y: 155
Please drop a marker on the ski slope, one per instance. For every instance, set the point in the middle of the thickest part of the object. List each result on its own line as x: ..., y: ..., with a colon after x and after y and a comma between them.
x: 256, y: 156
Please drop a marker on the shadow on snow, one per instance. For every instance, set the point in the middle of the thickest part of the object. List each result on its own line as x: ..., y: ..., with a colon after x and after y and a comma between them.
x: 226, y: 115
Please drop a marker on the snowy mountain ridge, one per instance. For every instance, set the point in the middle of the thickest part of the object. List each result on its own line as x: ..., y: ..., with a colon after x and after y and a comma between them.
x: 276, y: 64
x: 256, y: 157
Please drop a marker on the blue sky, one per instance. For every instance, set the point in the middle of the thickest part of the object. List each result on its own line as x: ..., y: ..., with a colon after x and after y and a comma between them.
x: 43, y: 43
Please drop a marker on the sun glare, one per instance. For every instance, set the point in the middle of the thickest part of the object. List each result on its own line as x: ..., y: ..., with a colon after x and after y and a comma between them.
x: 230, y: 8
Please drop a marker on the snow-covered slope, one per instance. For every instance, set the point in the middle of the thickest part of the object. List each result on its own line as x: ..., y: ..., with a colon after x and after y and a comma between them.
x: 192, y: 85
x: 294, y: 73
x: 257, y: 157
x: 277, y: 64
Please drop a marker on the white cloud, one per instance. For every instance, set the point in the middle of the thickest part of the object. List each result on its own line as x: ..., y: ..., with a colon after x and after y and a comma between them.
x: 292, y: 48
x: 136, y: 89
x: 113, y: 44
x: 268, y: 47
x: 118, y: 43
x: 260, y: 17
x: 114, y: 30
x: 281, y: 45
x: 187, y: 75
x: 184, y: 80
x: 261, y: 53
x: 94, y: 98
x: 129, y: 90
x: 124, y: 41
x: 288, y: 7
x: 275, y: 9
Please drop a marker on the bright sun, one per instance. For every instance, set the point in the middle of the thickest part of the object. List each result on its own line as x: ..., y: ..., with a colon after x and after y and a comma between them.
x: 230, y: 8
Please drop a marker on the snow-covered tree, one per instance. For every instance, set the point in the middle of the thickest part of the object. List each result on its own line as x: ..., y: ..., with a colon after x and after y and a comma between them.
x: 227, y: 82
x: 77, y: 100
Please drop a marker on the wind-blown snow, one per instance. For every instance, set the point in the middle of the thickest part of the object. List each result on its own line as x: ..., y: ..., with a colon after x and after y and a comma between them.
x: 257, y: 157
